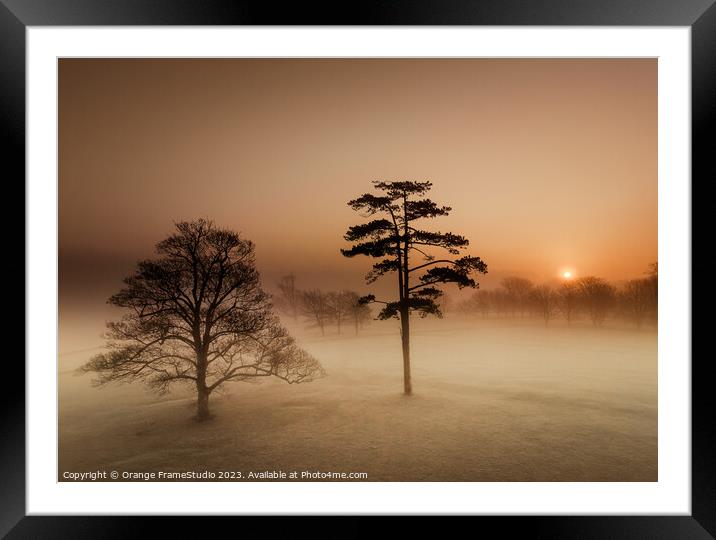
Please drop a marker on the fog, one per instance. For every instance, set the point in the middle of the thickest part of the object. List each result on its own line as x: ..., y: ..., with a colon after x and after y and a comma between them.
x: 494, y: 400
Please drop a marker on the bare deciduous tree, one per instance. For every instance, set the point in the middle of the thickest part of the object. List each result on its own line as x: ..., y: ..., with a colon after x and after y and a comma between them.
x: 315, y: 307
x: 653, y: 281
x: 446, y: 303
x: 358, y: 312
x: 485, y: 302
x: 598, y: 297
x: 290, y: 297
x: 197, y: 315
x: 339, y: 305
x: 546, y: 302
x: 568, y: 294
x: 635, y: 299
x: 478, y: 302
x: 639, y: 299
x: 518, y: 290
x: 501, y: 302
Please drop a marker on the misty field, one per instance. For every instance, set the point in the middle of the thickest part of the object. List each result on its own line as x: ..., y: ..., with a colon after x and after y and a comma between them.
x: 493, y: 401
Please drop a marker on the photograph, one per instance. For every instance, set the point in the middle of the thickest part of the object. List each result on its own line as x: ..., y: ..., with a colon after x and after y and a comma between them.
x: 358, y: 269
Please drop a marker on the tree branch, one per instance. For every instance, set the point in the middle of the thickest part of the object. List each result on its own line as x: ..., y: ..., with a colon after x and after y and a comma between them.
x: 431, y: 263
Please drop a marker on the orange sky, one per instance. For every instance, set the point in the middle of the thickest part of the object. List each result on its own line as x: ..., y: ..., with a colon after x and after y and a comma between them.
x: 546, y: 163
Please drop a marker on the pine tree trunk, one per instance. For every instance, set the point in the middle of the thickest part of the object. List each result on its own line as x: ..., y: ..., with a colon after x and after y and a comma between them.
x: 405, y: 336
x: 405, y: 306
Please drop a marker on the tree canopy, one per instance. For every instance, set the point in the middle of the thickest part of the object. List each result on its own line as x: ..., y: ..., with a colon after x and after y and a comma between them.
x: 197, y: 314
x: 395, y: 239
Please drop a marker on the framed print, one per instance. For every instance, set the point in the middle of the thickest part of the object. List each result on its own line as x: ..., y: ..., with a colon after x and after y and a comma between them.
x: 400, y: 264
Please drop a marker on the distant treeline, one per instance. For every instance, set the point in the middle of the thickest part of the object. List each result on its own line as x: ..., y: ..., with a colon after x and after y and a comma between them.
x: 320, y: 308
x: 588, y: 297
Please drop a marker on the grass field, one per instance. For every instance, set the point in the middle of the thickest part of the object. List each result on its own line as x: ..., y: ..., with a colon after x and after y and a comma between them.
x: 493, y: 401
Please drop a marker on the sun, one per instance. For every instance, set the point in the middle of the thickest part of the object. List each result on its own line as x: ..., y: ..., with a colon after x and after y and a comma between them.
x: 567, y: 275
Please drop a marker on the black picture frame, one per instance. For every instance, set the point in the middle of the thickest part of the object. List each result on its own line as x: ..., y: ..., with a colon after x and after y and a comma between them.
x: 16, y: 15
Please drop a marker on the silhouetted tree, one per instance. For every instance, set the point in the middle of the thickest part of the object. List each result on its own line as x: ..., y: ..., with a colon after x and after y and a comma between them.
x: 466, y: 308
x: 568, y: 295
x: 653, y: 281
x: 445, y: 303
x: 501, y: 302
x: 519, y: 290
x: 395, y: 239
x: 339, y: 306
x: 478, y: 302
x: 197, y: 315
x: 289, y: 298
x: 358, y: 312
x: 635, y: 299
x: 485, y: 302
x: 545, y: 300
x: 639, y: 297
x: 315, y: 307
x: 598, y: 297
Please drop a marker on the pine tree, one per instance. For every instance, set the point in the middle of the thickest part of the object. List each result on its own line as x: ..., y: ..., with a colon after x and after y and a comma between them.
x: 394, y: 238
